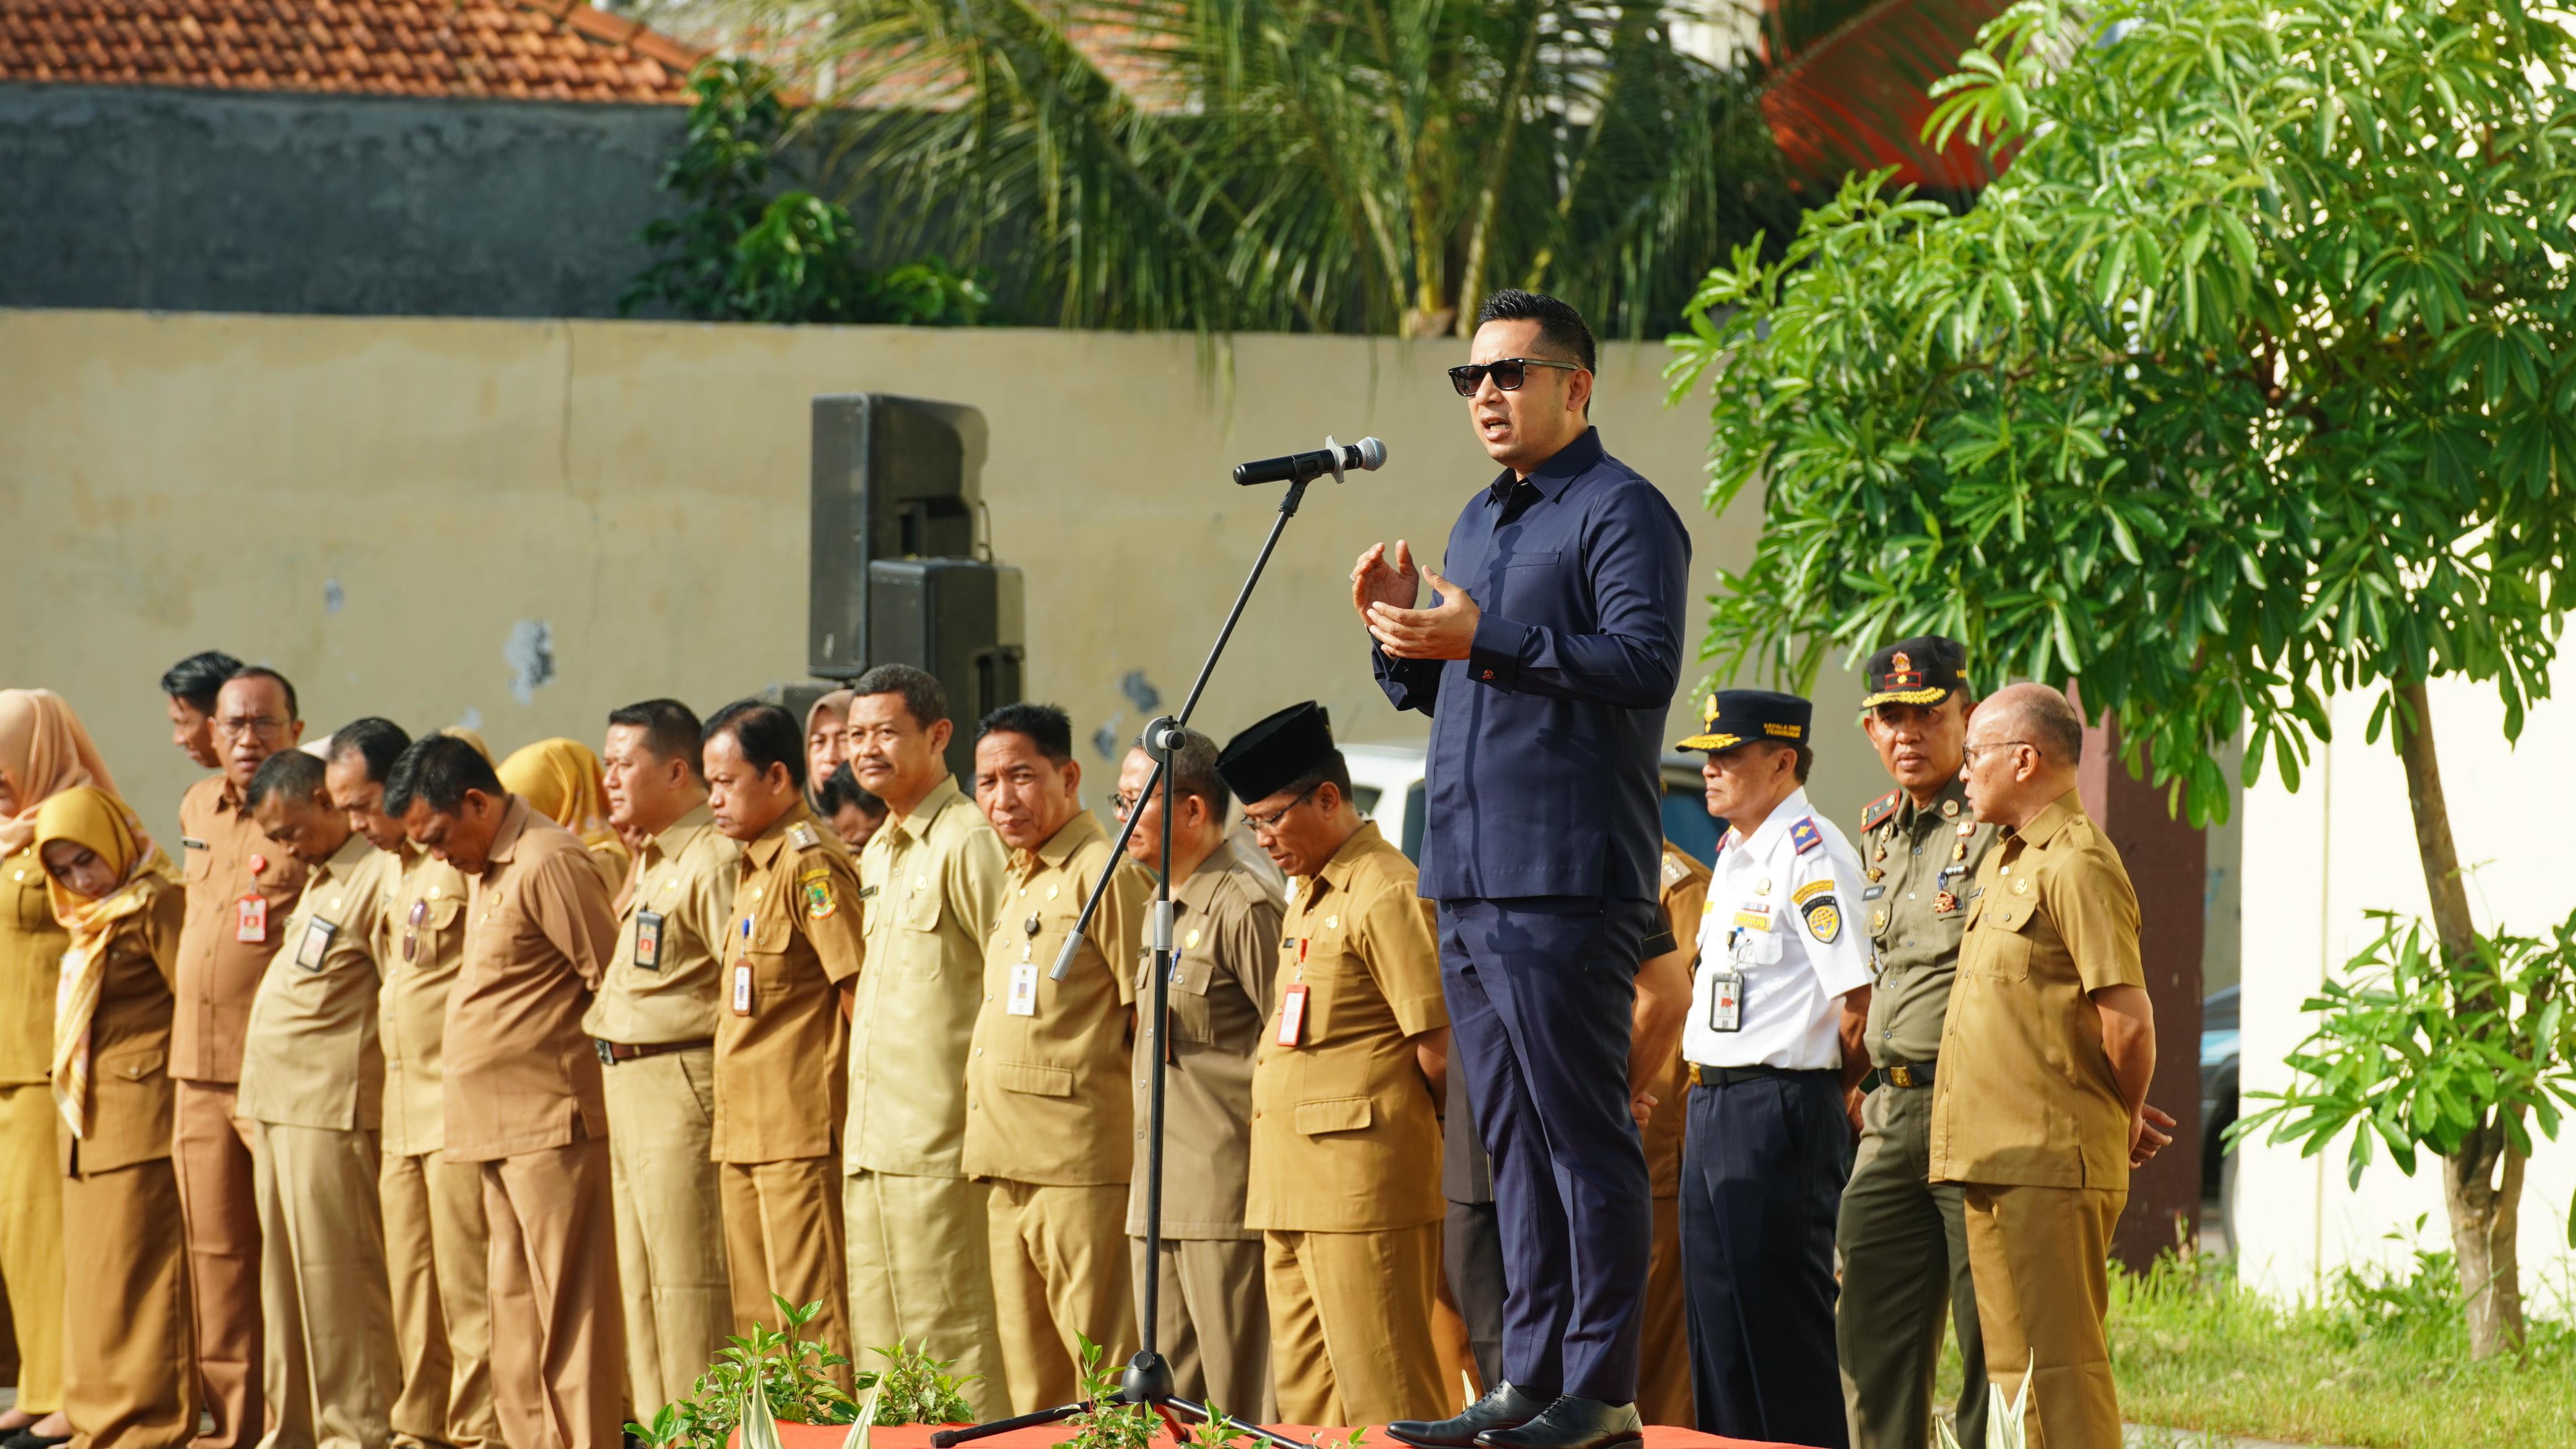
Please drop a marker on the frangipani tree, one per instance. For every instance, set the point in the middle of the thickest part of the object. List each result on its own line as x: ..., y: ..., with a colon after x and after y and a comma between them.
x: 2251, y: 381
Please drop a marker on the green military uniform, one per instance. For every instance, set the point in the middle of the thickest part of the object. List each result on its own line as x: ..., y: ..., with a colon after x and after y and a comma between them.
x: 1904, y: 1240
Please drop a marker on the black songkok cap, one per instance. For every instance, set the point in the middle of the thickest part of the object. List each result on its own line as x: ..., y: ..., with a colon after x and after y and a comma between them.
x: 1277, y: 752
x: 1734, y: 717
x: 1926, y: 669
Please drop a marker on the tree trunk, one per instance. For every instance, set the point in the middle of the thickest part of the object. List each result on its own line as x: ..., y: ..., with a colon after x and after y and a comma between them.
x: 2485, y: 1213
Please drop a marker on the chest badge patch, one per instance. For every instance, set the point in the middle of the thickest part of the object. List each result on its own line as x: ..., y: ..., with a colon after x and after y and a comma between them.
x: 817, y: 891
x: 1824, y: 918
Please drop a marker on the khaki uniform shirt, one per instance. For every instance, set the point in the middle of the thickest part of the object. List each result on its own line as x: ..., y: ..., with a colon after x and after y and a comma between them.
x: 309, y: 1057
x: 1047, y: 1099
x: 218, y: 971
x: 1919, y: 863
x: 1685, y: 897
x: 1225, y: 931
x: 422, y: 948
x: 663, y: 983
x: 32, y: 944
x: 932, y: 884
x: 2025, y: 1093
x: 1345, y: 1137
x: 130, y: 1098
x: 791, y: 938
x: 521, y: 1076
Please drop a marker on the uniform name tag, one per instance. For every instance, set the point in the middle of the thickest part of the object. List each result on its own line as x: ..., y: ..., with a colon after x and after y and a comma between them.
x: 1726, y: 1000
x: 1024, y: 989
x: 1752, y: 920
x: 648, y: 940
x: 250, y: 919
x: 317, y: 940
x: 1292, y: 1014
x: 742, y: 988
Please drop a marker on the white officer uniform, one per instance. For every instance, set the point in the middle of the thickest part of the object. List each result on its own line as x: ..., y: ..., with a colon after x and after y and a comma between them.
x: 1778, y: 918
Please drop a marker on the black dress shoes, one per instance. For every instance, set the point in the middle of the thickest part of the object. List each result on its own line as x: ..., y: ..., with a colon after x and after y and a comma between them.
x: 1504, y: 1407
x: 1572, y: 1423
x: 28, y: 1438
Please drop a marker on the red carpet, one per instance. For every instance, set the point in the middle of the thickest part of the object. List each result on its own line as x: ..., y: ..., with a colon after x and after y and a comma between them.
x: 917, y: 1436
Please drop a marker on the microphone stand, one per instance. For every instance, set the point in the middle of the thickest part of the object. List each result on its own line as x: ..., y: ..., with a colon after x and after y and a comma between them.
x: 1148, y: 1380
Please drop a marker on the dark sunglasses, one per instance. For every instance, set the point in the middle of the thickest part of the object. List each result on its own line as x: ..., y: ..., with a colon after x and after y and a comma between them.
x: 1508, y: 373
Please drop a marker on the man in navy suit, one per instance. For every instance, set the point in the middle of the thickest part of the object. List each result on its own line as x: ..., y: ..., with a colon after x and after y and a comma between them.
x: 1546, y: 661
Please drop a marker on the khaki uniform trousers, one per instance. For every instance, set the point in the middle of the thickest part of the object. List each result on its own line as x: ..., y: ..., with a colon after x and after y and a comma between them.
x: 435, y: 1254
x: 1350, y: 1325
x: 31, y: 1241
x: 327, y: 1350
x: 919, y: 1272
x: 2042, y: 1290
x: 129, y: 1383
x: 1056, y: 1252
x: 558, y: 1340
x: 218, y: 1198
x: 1904, y: 1246
x: 1212, y: 1322
x: 1663, y: 1340
x: 670, y: 1232
x: 782, y: 1235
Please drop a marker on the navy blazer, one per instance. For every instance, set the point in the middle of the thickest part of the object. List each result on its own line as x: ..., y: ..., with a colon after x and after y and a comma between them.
x: 1544, y: 777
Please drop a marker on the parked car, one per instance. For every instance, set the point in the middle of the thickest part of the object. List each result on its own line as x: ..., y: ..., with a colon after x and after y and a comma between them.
x: 2219, y: 1039
x: 1386, y: 785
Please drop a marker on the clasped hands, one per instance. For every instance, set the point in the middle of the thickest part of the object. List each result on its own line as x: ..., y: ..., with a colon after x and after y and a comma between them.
x: 1383, y: 592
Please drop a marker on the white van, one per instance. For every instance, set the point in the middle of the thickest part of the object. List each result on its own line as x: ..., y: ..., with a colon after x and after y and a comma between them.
x: 1386, y: 785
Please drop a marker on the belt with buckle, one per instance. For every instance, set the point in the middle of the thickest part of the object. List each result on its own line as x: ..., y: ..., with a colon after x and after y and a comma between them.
x: 1907, y: 1074
x: 613, y: 1052
x: 1701, y: 1076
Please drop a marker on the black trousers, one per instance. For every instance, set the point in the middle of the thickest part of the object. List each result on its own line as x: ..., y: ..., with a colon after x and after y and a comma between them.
x: 1471, y: 1249
x: 1541, y: 993
x: 1762, y: 1179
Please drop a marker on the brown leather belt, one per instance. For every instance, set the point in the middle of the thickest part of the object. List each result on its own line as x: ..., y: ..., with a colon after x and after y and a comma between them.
x: 613, y: 1052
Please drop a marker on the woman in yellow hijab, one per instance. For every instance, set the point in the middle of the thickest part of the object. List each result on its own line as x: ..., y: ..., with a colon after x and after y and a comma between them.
x: 129, y: 1379
x: 560, y: 779
x: 43, y: 752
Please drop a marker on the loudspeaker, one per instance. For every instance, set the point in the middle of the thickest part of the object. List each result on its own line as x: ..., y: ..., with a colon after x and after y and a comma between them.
x: 960, y: 619
x: 893, y: 477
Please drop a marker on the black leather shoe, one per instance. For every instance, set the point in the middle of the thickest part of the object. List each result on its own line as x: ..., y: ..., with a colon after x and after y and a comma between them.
x: 28, y: 1438
x: 1572, y: 1423
x: 1504, y: 1407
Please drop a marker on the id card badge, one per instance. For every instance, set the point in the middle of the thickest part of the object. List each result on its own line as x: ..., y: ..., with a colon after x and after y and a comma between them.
x: 1726, y: 1000
x: 412, y: 920
x: 1024, y: 989
x: 250, y: 919
x: 648, y: 940
x: 317, y: 941
x: 742, y: 988
x: 1292, y: 1014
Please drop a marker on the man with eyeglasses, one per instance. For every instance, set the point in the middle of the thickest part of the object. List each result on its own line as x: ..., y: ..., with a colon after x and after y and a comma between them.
x: 1213, y: 1320
x: 1346, y: 1087
x: 240, y: 889
x: 1547, y: 662
x: 2040, y: 1111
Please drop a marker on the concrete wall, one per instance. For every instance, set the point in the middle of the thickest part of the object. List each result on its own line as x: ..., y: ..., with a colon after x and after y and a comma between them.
x: 2313, y: 862
x: 185, y: 200
x: 521, y: 525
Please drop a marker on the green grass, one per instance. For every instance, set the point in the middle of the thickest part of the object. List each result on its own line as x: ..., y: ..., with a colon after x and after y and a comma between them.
x: 2380, y: 1362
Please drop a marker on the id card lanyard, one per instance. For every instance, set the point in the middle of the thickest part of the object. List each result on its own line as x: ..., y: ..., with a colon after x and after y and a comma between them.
x: 250, y: 913
x: 1024, y: 976
x: 742, y: 973
x: 1726, y: 988
x: 1292, y: 1001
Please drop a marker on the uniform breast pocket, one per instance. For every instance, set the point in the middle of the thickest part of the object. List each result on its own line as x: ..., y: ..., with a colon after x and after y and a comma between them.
x: 198, y: 866
x: 1998, y: 942
x: 133, y: 1064
x: 916, y: 903
x: 766, y: 950
x: 1188, y: 999
x: 35, y: 912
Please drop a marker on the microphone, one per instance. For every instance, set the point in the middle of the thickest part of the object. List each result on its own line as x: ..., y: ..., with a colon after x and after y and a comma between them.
x: 1366, y: 455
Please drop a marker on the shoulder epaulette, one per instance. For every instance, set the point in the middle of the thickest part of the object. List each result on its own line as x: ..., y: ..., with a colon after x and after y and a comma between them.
x: 1879, y: 810
x: 1805, y: 835
x: 802, y: 836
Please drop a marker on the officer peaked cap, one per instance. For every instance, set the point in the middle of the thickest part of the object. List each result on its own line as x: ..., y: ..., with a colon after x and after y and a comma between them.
x: 1733, y: 717
x: 1925, y: 669
x: 1277, y: 752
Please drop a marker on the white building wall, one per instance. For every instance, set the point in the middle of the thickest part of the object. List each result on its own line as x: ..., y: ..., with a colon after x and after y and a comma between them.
x: 2314, y: 861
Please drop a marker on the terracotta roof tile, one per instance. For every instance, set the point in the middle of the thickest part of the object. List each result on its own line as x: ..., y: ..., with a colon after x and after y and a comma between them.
x: 537, y: 49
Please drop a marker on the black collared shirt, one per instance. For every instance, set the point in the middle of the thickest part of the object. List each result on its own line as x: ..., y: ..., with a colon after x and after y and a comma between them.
x: 1543, y: 777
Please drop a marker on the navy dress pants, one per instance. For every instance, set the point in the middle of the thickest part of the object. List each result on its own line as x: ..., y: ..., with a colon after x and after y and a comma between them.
x: 1541, y: 993
x: 1762, y: 1181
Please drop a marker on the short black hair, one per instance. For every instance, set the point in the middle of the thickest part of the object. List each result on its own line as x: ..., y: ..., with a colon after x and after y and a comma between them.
x: 1335, y: 771
x: 841, y: 789
x: 766, y: 734
x: 377, y: 741
x: 290, y: 773
x: 923, y: 697
x: 1047, y: 727
x: 439, y: 770
x: 294, y: 711
x: 1559, y: 325
x: 197, y: 678
x: 671, y: 729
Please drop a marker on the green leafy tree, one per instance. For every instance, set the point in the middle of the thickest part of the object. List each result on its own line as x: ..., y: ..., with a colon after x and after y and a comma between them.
x: 2253, y: 380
